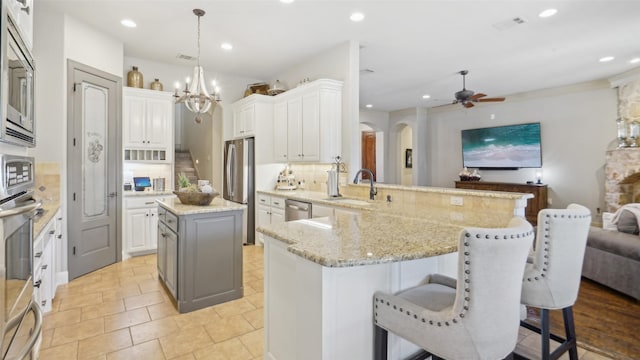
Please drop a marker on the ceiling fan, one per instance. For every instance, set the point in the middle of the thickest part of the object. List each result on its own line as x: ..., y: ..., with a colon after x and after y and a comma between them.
x: 468, y: 97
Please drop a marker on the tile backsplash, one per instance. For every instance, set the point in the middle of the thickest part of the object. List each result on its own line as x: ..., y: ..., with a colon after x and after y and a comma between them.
x: 47, y: 179
x: 315, y: 175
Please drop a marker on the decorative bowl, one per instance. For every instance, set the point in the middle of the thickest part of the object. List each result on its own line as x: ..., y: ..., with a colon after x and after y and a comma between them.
x: 196, y: 198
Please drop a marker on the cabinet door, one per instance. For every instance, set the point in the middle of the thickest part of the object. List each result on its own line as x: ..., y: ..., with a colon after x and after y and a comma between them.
x: 152, y: 235
x: 134, y: 114
x: 161, y: 233
x: 171, y: 270
x: 264, y: 215
x: 311, y: 127
x: 158, y: 131
x: 294, y: 129
x: 136, y: 229
x: 277, y: 215
x: 249, y: 120
x: 280, y: 131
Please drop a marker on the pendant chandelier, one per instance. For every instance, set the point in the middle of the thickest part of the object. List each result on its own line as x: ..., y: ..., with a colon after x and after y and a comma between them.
x: 195, y: 95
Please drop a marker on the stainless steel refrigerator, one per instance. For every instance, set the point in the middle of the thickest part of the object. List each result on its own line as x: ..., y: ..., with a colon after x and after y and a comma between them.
x: 239, y: 170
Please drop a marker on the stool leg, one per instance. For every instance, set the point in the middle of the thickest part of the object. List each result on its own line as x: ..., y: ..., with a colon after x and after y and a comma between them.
x: 380, y: 343
x: 570, y: 331
x: 544, y: 334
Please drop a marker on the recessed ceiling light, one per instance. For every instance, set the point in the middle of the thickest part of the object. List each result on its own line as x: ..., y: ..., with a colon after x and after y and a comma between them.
x: 606, y: 59
x: 357, y: 16
x: 369, y: 105
x: 426, y: 96
x: 548, y: 13
x: 634, y: 61
x: 226, y: 46
x: 286, y: 1
x: 128, y: 23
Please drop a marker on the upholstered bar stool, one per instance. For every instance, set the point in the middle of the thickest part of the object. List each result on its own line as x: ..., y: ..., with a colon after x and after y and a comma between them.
x: 552, y: 275
x: 475, y: 317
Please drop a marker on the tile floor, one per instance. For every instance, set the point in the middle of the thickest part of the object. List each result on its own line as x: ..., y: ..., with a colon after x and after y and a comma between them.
x: 122, y: 312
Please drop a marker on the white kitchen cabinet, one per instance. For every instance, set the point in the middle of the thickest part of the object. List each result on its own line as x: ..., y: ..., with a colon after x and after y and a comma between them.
x: 248, y: 111
x: 302, y: 111
x: 270, y: 210
x: 148, y: 118
x: 21, y: 12
x: 141, y: 224
x: 44, y: 262
x: 280, y: 132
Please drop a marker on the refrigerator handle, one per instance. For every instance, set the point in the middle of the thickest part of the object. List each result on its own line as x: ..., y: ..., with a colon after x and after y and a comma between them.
x: 230, y: 163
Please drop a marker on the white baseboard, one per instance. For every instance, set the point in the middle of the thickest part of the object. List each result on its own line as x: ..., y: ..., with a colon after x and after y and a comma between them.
x: 62, y: 278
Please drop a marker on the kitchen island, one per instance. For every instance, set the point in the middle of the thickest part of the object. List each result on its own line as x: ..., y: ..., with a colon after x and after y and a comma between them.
x: 200, y: 252
x: 320, y: 274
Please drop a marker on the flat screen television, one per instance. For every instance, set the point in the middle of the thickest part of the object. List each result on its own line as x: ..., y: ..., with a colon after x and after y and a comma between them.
x: 502, y: 147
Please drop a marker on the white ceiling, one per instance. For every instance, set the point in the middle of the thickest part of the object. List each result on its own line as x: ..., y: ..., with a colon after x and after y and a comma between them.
x: 413, y: 47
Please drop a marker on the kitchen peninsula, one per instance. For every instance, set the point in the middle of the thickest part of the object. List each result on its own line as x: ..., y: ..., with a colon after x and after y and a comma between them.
x: 200, y: 252
x: 321, y: 273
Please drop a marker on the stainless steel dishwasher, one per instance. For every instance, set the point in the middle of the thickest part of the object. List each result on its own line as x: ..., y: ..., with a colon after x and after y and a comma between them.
x: 296, y: 210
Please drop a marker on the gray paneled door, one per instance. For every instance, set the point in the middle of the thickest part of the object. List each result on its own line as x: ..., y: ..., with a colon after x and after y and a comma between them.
x: 93, y: 169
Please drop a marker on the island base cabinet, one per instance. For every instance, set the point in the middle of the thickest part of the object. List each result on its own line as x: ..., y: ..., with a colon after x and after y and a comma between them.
x: 201, y: 264
x: 315, y: 312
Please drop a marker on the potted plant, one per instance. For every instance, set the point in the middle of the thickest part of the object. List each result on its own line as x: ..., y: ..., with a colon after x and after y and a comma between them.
x: 183, y: 182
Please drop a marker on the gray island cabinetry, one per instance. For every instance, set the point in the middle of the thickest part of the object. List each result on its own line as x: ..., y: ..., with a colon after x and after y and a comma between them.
x: 200, y: 252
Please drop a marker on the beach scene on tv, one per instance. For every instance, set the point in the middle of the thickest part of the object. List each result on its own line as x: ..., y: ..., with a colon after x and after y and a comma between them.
x: 513, y: 146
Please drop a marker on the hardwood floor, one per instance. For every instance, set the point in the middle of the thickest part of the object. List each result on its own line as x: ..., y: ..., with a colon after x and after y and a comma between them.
x: 607, y: 322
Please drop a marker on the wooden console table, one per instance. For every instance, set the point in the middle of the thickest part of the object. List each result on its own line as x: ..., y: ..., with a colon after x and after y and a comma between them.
x: 534, y: 205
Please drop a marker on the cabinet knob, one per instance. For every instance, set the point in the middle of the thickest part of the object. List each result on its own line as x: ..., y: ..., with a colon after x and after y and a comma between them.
x: 59, y: 236
x: 38, y: 254
x: 51, y: 232
x: 37, y: 283
x: 44, y: 267
x: 44, y: 302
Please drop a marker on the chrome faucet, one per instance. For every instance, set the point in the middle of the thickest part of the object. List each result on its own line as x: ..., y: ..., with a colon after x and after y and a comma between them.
x: 372, y: 192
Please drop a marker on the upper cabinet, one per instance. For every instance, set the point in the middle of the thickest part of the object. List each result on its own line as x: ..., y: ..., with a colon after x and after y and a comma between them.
x: 308, y: 121
x: 147, y: 119
x: 246, y: 112
x: 21, y: 12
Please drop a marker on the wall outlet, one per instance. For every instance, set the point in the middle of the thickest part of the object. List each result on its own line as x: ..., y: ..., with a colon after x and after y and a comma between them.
x: 457, y: 201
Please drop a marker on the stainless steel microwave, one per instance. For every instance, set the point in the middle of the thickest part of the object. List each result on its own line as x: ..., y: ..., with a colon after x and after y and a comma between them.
x: 18, y: 88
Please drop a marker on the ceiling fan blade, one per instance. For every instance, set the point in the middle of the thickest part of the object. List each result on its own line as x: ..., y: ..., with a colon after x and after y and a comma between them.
x: 491, y: 99
x: 477, y: 96
x: 468, y: 104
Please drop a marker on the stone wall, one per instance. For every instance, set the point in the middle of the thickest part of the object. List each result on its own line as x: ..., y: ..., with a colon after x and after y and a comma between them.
x: 622, y: 169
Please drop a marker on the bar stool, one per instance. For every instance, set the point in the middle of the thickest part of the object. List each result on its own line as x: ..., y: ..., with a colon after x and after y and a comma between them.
x: 478, y: 317
x: 552, y: 275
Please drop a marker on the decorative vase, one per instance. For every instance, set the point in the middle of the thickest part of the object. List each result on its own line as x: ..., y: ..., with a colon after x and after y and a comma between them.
x: 134, y: 78
x: 156, y: 85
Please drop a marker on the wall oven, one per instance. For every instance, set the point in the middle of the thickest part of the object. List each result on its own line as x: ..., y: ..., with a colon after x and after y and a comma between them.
x: 18, y: 90
x: 21, y: 317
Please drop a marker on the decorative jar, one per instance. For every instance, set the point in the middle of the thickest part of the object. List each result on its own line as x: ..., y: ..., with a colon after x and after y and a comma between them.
x: 134, y: 78
x: 156, y: 85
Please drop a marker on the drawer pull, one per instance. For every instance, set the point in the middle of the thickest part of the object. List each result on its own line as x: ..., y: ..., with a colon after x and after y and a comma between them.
x: 149, y: 203
x: 59, y: 236
x: 44, y: 267
x: 51, y: 232
x: 38, y: 254
x: 38, y: 283
x: 44, y: 302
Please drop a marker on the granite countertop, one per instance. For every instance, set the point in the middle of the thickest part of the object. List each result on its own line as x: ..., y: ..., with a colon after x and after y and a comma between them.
x: 49, y: 207
x: 365, y: 238
x: 131, y: 193
x: 217, y: 205
x: 378, y: 231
